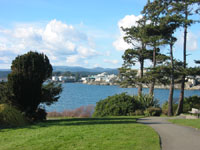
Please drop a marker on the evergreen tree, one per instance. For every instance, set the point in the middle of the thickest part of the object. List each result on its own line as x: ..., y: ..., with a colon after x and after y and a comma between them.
x: 136, y: 37
x: 29, y: 72
x: 155, y: 34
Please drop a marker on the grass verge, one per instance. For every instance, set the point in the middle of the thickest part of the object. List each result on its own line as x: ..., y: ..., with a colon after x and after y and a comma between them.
x: 113, y: 133
x: 195, y: 123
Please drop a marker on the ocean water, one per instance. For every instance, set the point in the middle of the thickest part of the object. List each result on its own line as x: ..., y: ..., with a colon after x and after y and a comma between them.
x: 75, y: 95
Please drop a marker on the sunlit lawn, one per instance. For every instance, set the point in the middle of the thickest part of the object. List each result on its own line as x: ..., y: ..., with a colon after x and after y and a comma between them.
x: 115, y: 133
x: 195, y: 123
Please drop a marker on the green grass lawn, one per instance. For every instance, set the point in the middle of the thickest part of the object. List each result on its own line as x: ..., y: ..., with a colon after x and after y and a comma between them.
x: 195, y: 123
x: 114, y: 133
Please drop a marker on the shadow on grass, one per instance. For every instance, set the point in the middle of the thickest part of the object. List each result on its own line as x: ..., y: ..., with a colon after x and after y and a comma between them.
x: 148, y: 121
x: 79, y: 122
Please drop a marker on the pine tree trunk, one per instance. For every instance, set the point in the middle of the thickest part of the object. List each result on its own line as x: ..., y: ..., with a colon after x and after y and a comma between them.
x: 141, y: 76
x: 180, y: 104
x: 171, y: 92
x: 181, y: 98
x: 151, y: 89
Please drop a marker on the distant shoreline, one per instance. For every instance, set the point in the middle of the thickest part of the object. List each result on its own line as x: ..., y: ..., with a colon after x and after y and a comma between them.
x: 156, y: 86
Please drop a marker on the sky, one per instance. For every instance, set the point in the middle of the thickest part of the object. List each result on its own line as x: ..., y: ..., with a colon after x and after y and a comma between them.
x: 84, y: 33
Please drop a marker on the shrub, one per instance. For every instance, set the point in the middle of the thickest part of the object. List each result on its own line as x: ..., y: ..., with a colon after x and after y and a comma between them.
x: 153, y: 111
x: 117, y: 105
x: 191, y: 102
x: 147, y: 101
x: 10, y: 116
x: 165, y: 108
x: 83, y: 111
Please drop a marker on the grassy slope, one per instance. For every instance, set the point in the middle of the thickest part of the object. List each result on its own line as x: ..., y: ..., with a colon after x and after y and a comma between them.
x: 119, y: 133
x: 187, y: 122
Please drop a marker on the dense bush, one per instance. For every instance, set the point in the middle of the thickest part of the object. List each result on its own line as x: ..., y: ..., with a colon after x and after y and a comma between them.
x: 153, y: 111
x: 10, y: 116
x: 191, y: 102
x: 117, y: 105
x: 165, y: 108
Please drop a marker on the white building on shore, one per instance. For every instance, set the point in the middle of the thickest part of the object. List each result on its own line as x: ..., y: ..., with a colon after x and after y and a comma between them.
x: 102, y: 77
x: 63, y: 79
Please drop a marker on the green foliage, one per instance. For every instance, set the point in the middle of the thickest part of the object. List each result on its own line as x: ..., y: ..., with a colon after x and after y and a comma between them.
x: 5, y: 93
x: 165, y: 108
x: 191, y: 102
x: 138, y: 112
x: 10, y: 116
x: 117, y: 105
x: 153, y: 111
x: 50, y: 93
x: 147, y: 101
x: 128, y: 76
x: 162, y: 73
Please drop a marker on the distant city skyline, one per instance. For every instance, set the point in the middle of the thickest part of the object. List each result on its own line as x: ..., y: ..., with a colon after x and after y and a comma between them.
x: 77, y: 33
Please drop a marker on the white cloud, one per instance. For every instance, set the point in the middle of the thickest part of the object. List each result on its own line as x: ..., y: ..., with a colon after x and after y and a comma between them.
x: 4, y: 59
x: 81, y: 57
x: 85, y: 52
x: 56, y: 39
x: 108, y: 53
x: 192, y: 43
x: 73, y: 60
x: 96, y: 65
x: 114, y: 62
x: 127, y: 22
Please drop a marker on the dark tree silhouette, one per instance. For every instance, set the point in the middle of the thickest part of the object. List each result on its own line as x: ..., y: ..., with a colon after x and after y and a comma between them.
x: 29, y: 72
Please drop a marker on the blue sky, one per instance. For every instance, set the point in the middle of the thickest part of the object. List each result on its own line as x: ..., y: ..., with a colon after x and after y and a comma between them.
x: 75, y: 33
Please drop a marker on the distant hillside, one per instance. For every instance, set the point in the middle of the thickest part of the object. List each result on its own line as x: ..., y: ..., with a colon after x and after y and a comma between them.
x: 4, y: 72
x: 81, y: 69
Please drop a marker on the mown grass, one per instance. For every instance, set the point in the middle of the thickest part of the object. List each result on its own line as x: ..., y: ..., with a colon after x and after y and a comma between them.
x: 113, y: 133
x: 195, y: 123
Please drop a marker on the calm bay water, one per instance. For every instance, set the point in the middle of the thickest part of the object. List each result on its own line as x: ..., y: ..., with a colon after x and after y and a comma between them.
x: 75, y: 95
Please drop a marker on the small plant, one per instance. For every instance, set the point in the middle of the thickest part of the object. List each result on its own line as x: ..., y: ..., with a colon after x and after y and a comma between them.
x: 165, y: 108
x: 191, y: 102
x: 139, y: 112
x: 147, y: 101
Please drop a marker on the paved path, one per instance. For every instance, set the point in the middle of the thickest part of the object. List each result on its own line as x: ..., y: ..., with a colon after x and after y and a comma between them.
x: 174, y: 137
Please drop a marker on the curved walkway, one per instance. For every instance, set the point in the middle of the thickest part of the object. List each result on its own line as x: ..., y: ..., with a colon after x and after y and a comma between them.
x: 174, y: 137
